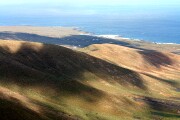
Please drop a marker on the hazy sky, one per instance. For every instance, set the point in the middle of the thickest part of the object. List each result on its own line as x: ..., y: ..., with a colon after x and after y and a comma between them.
x: 91, y: 2
x: 61, y: 7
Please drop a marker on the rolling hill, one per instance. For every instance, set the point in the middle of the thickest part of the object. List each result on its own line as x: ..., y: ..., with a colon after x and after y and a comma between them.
x: 99, y: 82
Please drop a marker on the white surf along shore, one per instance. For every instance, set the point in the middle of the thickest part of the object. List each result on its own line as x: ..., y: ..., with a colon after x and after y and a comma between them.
x: 59, y: 32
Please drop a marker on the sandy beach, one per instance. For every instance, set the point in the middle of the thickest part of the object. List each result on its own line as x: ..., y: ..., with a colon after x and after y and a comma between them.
x: 73, y: 37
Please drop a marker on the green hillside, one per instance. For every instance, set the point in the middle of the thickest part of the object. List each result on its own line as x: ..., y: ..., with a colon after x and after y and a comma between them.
x: 49, y: 82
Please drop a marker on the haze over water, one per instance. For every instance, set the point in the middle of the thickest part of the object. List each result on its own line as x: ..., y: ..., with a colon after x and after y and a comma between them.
x: 155, y: 23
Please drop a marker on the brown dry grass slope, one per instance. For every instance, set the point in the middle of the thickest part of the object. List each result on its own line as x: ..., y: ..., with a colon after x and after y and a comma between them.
x: 49, y: 82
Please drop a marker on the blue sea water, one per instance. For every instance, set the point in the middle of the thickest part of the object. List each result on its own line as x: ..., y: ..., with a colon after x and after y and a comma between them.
x: 155, y: 28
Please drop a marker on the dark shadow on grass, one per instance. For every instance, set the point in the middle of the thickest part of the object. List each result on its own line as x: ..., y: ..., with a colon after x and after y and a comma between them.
x: 14, y: 110
x: 73, y: 40
x: 156, y: 58
x: 62, y: 69
x: 172, y: 83
x: 162, y: 105
x: 166, y: 115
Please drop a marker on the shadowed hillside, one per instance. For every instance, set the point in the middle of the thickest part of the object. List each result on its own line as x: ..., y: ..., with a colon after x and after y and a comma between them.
x: 144, y: 61
x: 75, y: 38
x: 71, y: 40
x: 60, y: 83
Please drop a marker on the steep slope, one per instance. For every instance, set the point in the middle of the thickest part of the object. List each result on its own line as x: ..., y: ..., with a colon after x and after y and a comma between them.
x: 143, y: 61
x: 159, y: 66
x: 53, y: 82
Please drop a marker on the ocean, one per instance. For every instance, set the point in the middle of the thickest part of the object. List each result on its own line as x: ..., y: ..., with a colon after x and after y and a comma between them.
x: 159, y: 28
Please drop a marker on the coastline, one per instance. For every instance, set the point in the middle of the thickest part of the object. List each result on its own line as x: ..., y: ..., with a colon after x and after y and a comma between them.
x: 77, y: 30
x: 111, y: 36
x: 76, y: 37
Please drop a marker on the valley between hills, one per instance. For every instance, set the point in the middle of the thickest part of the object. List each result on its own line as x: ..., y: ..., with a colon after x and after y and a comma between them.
x: 60, y: 73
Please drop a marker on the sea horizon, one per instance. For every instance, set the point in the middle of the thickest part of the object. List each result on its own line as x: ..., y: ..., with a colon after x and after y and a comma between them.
x: 157, y: 25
